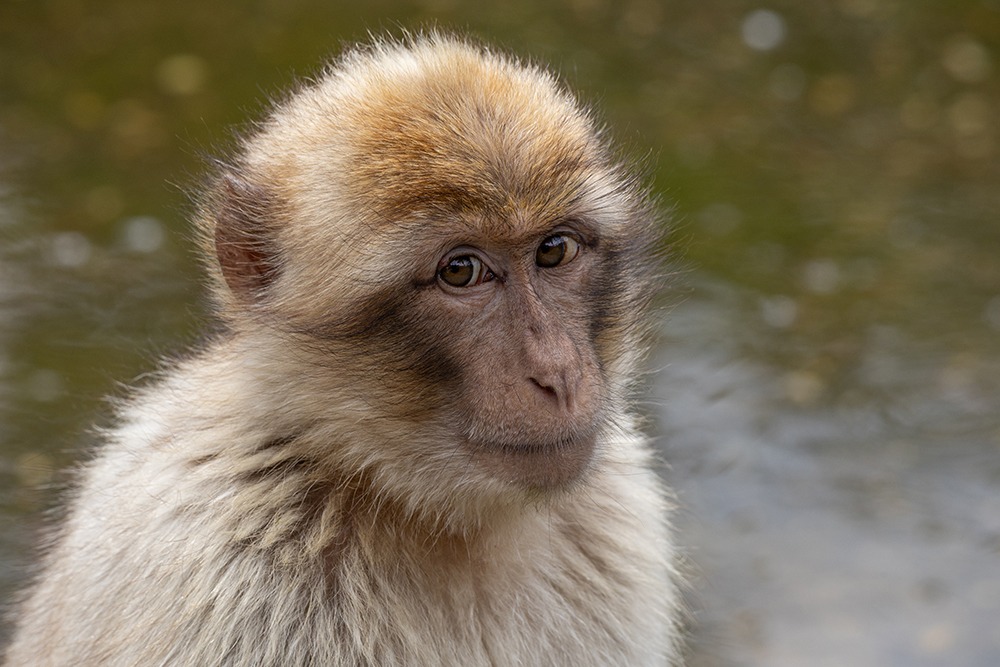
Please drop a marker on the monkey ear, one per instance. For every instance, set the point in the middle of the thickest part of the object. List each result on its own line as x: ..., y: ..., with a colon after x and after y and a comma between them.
x: 244, y: 240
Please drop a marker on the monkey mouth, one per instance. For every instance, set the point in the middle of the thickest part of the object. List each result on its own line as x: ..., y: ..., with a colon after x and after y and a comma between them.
x: 536, y: 464
x: 535, y: 448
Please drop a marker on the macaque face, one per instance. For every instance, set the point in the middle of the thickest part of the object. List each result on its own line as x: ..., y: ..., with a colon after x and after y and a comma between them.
x: 513, y: 317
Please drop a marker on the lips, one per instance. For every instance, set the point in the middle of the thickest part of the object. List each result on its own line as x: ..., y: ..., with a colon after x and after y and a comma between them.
x: 536, y: 465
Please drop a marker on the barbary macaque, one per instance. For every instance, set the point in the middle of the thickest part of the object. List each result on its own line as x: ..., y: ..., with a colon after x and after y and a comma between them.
x: 412, y: 441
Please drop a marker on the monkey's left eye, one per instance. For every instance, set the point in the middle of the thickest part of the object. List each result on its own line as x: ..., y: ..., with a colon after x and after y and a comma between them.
x: 465, y: 271
x: 555, y: 250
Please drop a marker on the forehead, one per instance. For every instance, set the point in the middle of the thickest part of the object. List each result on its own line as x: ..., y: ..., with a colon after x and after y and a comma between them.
x: 468, y: 137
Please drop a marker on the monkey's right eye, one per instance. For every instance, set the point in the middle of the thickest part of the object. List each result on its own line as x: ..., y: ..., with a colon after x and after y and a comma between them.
x: 464, y: 271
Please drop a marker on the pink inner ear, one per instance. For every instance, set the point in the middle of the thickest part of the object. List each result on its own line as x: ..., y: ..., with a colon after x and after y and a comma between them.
x: 244, y: 243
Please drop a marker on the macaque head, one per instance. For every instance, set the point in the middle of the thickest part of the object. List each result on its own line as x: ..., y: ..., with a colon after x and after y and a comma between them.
x: 443, y: 259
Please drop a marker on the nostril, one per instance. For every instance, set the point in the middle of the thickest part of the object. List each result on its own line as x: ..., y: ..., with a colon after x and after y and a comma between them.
x: 559, y: 393
x: 546, y: 389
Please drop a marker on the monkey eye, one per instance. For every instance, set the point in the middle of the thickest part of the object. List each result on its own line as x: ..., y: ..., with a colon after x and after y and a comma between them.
x: 557, y: 249
x: 465, y: 271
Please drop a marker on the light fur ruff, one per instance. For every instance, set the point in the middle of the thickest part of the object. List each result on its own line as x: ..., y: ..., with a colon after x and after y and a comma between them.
x: 294, y: 493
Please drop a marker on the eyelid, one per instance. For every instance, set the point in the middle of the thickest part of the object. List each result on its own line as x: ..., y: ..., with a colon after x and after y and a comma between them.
x: 461, y: 251
x: 582, y: 232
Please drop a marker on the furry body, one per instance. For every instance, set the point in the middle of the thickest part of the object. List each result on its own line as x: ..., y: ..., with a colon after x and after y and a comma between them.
x: 334, y: 481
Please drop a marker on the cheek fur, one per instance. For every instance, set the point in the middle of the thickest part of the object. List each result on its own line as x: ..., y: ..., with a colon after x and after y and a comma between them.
x: 618, y: 294
x: 396, y: 344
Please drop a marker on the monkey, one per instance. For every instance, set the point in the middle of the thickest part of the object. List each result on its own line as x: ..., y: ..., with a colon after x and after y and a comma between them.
x: 412, y: 440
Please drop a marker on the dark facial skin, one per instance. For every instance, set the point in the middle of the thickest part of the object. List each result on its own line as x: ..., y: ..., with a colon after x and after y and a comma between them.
x: 516, y: 314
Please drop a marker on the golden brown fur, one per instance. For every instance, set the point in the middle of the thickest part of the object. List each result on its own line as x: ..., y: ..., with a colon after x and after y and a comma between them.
x: 371, y: 467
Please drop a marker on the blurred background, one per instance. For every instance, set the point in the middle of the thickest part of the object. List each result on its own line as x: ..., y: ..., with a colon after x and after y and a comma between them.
x: 826, y: 393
